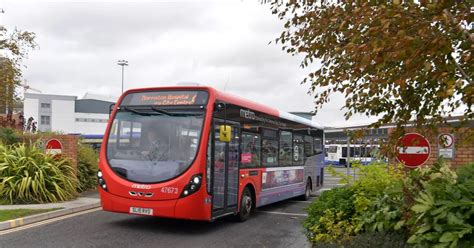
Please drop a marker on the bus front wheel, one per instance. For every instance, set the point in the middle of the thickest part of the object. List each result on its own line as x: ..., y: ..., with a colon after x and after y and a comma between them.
x: 245, y: 206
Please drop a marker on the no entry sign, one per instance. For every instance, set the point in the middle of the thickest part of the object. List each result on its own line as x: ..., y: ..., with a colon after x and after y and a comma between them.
x: 53, y: 147
x: 413, y: 150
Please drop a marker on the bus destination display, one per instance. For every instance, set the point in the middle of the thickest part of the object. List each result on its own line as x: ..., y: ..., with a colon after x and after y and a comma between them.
x: 169, y: 98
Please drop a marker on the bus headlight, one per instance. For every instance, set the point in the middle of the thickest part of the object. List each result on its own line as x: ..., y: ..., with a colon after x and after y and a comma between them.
x: 193, y: 185
x: 101, y: 180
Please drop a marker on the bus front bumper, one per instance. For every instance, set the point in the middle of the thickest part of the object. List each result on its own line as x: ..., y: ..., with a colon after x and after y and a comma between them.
x: 184, y: 208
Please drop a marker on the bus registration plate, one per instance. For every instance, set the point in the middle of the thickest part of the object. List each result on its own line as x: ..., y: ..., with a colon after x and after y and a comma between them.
x: 143, y: 211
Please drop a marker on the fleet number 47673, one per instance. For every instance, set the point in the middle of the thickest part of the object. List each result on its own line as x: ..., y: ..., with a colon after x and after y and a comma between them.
x: 169, y: 190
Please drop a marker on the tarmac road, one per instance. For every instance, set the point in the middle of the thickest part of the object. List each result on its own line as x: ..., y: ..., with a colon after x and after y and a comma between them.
x: 277, y: 225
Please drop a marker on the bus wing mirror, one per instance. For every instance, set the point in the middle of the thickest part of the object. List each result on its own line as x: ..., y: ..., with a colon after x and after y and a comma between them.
x: 111, y: 107
x: 225, y: 133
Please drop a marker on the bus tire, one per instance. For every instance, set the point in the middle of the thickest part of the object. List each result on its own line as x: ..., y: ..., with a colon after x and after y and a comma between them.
x: 307, y: 191
x: 246, y: 204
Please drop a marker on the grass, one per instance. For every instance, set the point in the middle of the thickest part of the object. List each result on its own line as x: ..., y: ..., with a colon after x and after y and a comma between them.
x: 11, y: 214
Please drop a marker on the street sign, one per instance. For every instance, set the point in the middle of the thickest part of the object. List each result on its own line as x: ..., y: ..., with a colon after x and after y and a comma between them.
x: 413, y: 150
x: 53, y: 147
x: 446, y: 145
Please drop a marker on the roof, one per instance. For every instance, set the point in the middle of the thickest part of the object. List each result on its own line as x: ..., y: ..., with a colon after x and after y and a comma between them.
x: 92, y: 106
x: 106, y: 98
x: 49, y: 96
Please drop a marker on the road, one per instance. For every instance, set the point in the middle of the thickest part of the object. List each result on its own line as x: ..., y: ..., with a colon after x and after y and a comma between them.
x: 277, y: 225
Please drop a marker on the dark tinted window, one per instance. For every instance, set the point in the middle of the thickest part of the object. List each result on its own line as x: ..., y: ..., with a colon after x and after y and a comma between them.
x: 286, y: 148
x: 318, y: 145
x: 269, y: 152
x: 308, y: 146
x: 250, y: 156
x: 344, y: 152
x: 298, y: 150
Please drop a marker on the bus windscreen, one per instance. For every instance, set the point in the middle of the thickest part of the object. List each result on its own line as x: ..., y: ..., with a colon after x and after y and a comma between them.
x: 147, y: 144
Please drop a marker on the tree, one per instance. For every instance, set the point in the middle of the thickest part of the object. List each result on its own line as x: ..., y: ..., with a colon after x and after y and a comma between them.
x: 399, y: 60
x: 14, y: 47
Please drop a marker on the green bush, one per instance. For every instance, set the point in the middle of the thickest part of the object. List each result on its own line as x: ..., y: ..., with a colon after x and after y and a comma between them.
x: 87, y: 166
x: 27, y: 175
x: 378, y: 195
x: 326, y: 213
x: 443, y: 213
x: 8, y: 136
x: 434, y: 206
x: 379, y: 239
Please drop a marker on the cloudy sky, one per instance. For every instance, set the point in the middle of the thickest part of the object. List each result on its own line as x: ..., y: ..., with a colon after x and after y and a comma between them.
x: 223, y: 44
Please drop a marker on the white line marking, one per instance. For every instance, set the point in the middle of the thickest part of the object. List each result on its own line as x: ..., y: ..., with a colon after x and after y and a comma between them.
x: 413, y: 150
x: 44, y: 222
x: 282, y: 213
x: 307, y: 202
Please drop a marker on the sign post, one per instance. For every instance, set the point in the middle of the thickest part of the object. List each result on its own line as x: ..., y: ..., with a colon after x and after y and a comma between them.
x: 413, y: 150
x: 446, y: 145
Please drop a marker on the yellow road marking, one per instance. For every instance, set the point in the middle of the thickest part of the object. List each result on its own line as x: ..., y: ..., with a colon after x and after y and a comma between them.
x: 44, y: 222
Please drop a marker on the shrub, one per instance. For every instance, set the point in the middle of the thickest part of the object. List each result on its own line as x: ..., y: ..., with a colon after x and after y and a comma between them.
x: 8, y: 136
x: 379, y: 239
x: 434, y: 205
x: 27, y: 175
x: 378, y: 195
x: 325, y: 213
x: 443, y: 213
x: 87, y: 166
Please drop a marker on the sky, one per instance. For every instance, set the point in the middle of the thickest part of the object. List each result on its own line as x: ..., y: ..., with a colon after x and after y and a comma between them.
x: 223, y: 44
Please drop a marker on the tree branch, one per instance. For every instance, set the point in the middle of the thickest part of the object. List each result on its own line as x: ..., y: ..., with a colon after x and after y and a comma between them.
x: 463, y: 73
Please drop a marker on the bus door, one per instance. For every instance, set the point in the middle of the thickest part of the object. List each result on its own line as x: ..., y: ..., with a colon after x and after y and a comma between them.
x: 225, y: 171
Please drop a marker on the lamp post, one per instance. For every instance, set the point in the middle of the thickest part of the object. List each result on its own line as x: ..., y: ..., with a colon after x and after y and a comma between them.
x: 122, y: 63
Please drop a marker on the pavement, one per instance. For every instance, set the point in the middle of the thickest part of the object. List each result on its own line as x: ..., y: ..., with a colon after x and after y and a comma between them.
x: 86, y: 201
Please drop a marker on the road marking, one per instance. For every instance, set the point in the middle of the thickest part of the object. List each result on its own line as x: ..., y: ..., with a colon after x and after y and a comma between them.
x: 283, y: 213
x: 44, y: 222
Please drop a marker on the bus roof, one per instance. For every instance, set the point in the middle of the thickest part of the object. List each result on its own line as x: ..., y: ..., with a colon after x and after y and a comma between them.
x: 230, y: 98
x: 265, y: 109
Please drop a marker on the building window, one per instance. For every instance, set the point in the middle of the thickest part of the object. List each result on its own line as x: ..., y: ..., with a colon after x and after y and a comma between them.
x: 45, y: 120
x: 46, y: 105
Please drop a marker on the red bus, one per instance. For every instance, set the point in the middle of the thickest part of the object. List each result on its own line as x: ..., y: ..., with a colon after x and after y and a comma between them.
x: 197, y: 153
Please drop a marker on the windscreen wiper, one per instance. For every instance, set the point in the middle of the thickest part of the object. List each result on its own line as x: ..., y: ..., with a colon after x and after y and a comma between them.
x: 161, y: 111
x: 133, y: 111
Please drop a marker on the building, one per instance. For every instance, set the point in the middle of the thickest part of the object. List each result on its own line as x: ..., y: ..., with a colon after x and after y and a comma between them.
x: 462, y: 151
x: 67, y: 114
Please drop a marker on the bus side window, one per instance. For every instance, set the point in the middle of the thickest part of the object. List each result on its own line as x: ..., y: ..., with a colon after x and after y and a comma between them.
x: 250, y: 156
x: 269, y: 152
x: 344, y: 152
x: 298, y: 150
x: 286, y: 148
x: 308, y: 146
x: 318, y: 146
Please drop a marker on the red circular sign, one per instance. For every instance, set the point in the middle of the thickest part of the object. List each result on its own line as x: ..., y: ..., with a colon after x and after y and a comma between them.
x: 53, y: 147
x: 413, y: 150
